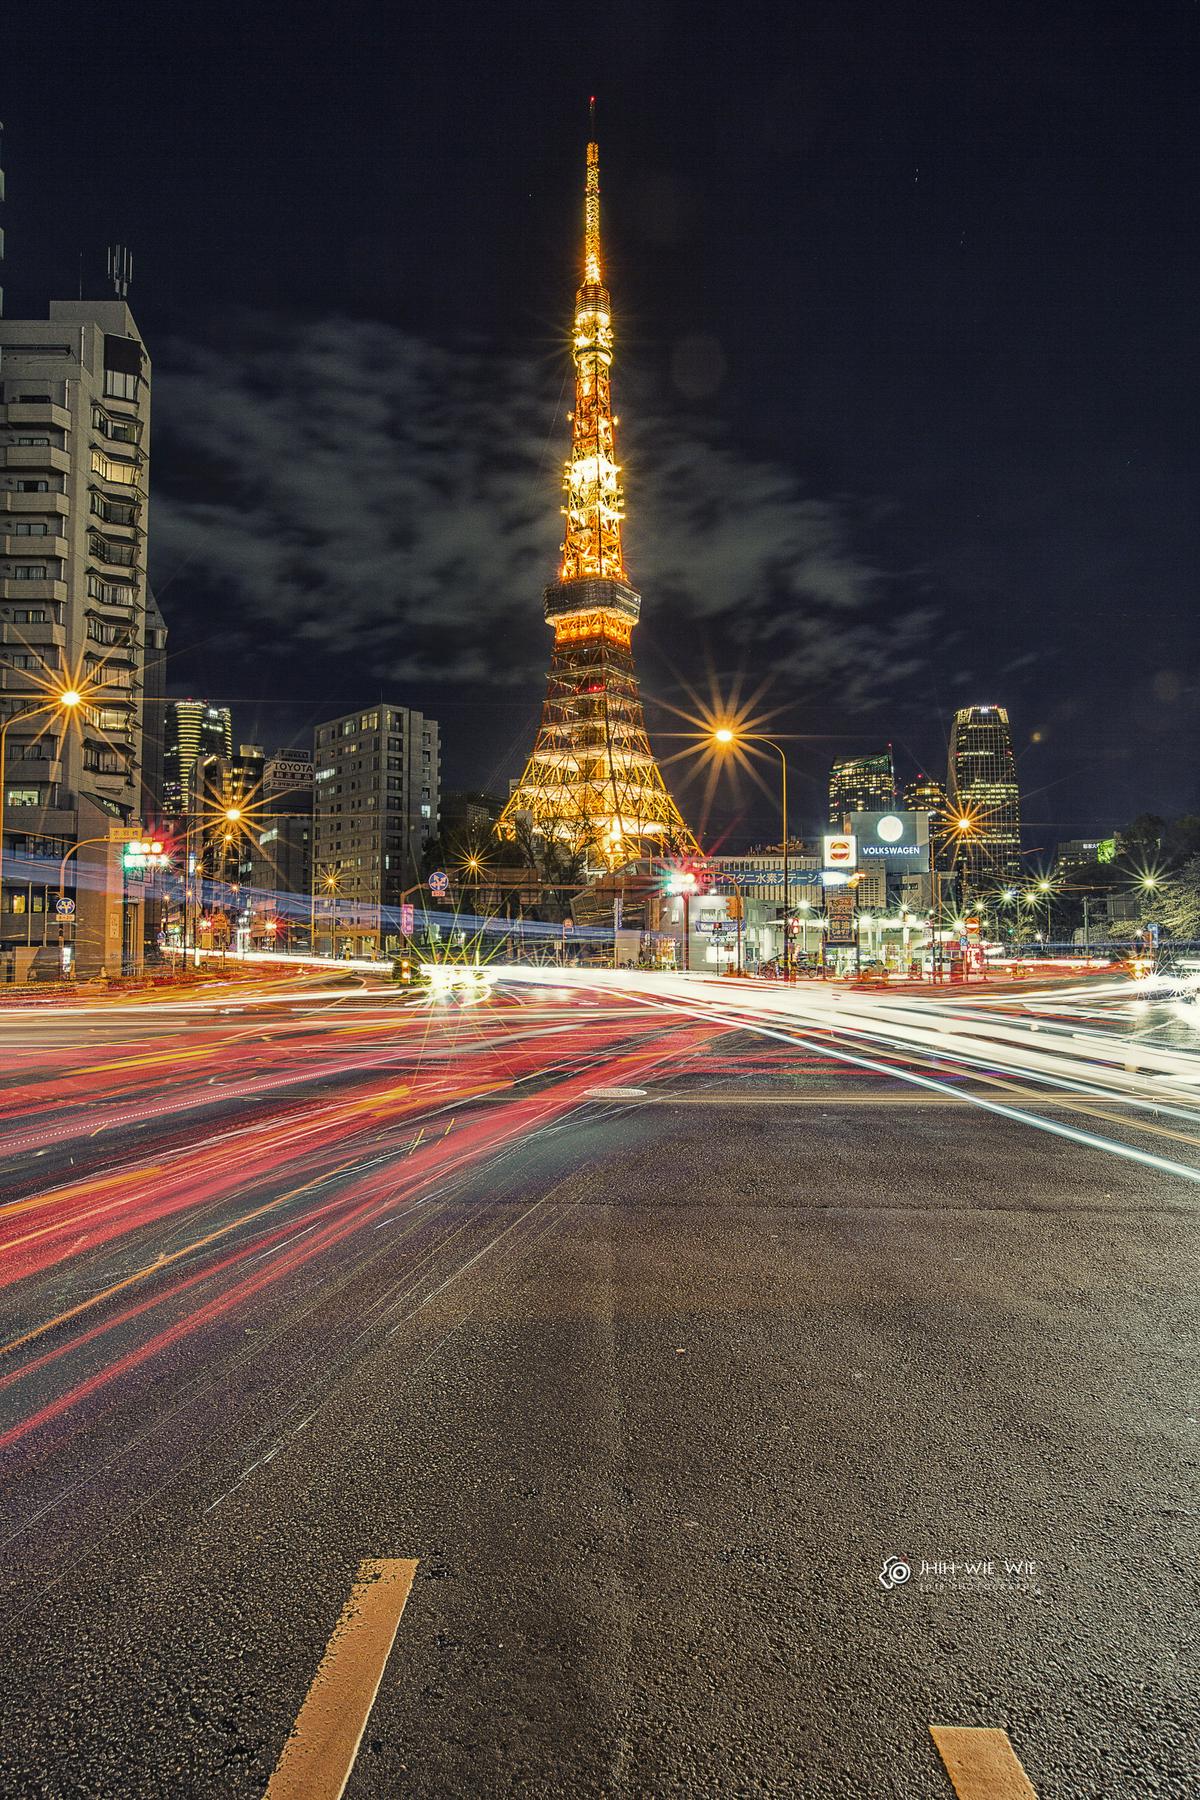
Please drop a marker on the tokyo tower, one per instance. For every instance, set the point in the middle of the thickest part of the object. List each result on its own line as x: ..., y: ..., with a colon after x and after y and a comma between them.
x: 592, y: 785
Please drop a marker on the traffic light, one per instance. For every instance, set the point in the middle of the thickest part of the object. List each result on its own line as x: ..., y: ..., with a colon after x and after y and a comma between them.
x: 687, y: 878
x: 733, y: 908
x: 146, y: 853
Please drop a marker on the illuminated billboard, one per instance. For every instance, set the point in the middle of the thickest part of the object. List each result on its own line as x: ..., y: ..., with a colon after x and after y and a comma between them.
x: 892, y: 840
x: 840, y: 852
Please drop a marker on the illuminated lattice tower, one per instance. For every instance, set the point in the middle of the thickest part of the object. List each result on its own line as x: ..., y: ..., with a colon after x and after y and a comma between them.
x: 592, y: 784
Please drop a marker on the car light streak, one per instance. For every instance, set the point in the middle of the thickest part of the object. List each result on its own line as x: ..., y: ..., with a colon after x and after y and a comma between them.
x: 260, y: 1232
x: 951, y: 1038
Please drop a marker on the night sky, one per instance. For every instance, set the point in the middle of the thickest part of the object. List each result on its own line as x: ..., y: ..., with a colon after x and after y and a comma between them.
x: 905, y: 300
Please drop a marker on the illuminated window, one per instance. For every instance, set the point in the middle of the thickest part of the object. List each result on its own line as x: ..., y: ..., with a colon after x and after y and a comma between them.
x: 111, y: 469
x: 24, y: 796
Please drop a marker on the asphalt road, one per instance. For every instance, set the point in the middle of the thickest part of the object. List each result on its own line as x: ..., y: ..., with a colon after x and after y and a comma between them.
x: 652, y: 1338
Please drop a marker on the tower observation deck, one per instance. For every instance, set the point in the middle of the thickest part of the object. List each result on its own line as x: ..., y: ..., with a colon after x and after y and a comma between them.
x: 591, y: 783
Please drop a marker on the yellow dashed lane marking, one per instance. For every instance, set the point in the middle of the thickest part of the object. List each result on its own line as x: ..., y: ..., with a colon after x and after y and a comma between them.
x: 318, y: 1757
x: 981, y: 1763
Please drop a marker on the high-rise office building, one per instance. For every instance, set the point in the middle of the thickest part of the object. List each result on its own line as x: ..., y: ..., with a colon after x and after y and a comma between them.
x: 376, y: 785
x: 926, y: 794
x: 861, y: 784
x: 74, y: 610
x: 193, y: 729
x: 985, y: 810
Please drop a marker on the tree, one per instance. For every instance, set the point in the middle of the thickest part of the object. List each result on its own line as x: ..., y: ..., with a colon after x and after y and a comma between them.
x: 1175, y: 902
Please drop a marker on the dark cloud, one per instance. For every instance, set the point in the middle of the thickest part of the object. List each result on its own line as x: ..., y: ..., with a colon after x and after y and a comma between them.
x: 344, y: 489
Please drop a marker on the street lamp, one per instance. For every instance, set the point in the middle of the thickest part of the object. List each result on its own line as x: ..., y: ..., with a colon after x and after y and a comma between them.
x: 725, y: 737
x: 229, y: 815
x: 330, y: 881
x: 62, y: 702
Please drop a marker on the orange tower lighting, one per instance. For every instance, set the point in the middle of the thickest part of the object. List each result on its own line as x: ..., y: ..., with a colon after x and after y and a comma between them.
x: 592, y: 784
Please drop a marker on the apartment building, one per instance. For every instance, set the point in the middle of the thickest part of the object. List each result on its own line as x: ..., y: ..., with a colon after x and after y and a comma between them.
x: 377, y: 785
x: 74, y: 609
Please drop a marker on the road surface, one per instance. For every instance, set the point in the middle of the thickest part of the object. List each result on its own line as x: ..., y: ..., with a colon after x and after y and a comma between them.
x: 659, y: 1323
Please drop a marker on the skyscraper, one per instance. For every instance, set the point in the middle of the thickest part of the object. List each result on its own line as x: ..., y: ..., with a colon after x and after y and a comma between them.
x: 376, y: 782
x: 926, y: 794
x: 985, y: 811
x: 74, y: 606
x: 861, y: 784
x: 193, y: 729
x: 592, y: 785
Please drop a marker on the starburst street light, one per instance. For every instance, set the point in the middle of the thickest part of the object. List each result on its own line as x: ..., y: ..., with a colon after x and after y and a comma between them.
x: 729, y: 736
x: 226, y: 818
x: 57, y: 702
x: 329, y: 880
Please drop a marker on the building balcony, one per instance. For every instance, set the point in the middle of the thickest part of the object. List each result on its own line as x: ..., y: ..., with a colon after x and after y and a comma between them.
x: 114, y: 554
x: 40, y: 821
x: 39, y: 412
x: 37, y: 457
x: 13, y: 502
x: 44, y: 635
x: 30, y: 771
x: 34, y: 590
x: 33, y: 548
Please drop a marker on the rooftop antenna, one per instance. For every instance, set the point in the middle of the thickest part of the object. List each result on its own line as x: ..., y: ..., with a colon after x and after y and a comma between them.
x: 120, y: 269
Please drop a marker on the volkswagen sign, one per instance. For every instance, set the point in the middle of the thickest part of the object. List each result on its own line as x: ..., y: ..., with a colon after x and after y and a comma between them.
x: 892, y: 840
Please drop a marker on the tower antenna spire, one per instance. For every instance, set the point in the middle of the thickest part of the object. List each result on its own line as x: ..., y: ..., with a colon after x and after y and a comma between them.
x: 591, y: 204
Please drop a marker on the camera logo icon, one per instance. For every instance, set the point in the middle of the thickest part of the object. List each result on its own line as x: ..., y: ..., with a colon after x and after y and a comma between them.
x: 894, y: 1574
